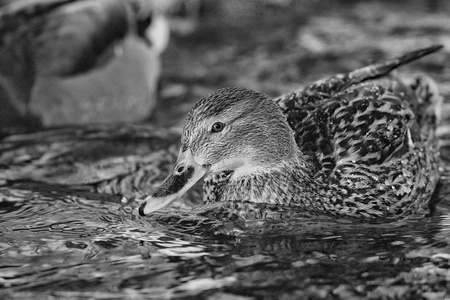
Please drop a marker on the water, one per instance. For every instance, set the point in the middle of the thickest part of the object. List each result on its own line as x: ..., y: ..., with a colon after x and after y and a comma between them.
x: 73, y: 242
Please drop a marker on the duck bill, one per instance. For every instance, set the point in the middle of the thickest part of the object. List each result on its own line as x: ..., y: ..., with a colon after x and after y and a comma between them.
x: 183, y: 176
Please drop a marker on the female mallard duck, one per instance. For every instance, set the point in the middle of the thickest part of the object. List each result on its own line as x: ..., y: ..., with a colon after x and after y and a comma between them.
x: 360, y: 144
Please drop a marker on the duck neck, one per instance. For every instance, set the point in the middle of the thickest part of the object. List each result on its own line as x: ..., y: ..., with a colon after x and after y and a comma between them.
x: 280, y: 183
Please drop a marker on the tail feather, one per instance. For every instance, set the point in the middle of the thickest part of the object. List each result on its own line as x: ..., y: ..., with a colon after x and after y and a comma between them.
x: 383, y: 68
x: 325, y: 89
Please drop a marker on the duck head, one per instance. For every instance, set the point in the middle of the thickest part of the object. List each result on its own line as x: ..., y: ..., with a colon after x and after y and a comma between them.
x: 233, y: 129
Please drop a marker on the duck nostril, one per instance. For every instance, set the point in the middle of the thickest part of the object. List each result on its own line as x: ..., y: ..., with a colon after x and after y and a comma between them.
x: 180, y: 169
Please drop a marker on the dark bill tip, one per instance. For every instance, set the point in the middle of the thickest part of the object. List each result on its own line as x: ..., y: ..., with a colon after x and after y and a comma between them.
x: 186, y: 173
x: 141, y: 209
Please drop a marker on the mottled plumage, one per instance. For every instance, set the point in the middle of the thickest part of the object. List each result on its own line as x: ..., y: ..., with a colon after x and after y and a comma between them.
x: 360, y: 144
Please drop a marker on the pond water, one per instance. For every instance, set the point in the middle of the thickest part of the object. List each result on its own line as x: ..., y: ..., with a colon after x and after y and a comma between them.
x: 68, y: 222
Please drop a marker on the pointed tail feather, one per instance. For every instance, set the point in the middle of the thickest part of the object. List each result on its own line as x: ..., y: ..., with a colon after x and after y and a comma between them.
x: 325, y: 89
x: 383, y: 68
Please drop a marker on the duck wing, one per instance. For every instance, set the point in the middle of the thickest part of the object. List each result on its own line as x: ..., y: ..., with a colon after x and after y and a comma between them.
x: 371, y: 133
x: 365, y: 124
x: 364, y: 116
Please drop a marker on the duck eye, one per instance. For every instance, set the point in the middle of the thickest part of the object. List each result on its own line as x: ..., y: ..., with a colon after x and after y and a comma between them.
x: 217, y: 127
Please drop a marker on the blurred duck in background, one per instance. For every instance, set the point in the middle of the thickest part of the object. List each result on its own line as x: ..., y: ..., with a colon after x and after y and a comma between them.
x: 79, y: 61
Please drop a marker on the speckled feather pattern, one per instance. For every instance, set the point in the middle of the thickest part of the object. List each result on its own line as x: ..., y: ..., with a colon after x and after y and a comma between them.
x: 369, y: 145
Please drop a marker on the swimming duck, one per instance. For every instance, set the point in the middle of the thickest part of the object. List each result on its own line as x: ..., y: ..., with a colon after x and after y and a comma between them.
x: 76, y: 61
x: 360, y: 145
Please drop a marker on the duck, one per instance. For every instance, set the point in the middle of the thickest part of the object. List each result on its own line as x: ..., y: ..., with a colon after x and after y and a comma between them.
x: 76, y: 62
x: 360, y: 145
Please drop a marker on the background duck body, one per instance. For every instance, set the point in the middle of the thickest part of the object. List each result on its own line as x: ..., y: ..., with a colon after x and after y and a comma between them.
x: 370, y: 143
x: 78, y: 62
